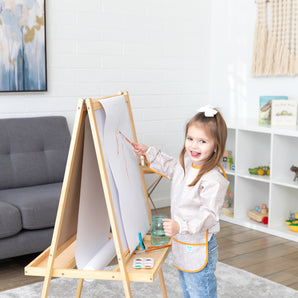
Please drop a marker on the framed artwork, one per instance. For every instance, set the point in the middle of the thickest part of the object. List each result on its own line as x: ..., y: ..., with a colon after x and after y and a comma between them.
x: 23, y: 46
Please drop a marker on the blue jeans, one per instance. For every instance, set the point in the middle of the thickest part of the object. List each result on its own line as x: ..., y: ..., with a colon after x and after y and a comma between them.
x: 201, y: 284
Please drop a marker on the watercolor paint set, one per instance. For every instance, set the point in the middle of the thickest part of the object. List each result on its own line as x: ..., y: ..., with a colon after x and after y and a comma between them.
x: 143, y: 263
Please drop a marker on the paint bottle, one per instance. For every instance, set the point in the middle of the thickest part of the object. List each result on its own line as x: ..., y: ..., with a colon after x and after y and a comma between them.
x: 158, y: 236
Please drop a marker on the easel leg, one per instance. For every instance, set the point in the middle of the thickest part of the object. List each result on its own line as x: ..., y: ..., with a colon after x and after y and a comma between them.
x: 162, y: 284
x: 45, y: 287
x: 79, y: 289
x: 150, y: 191
x: 48, y: 273
x: 127, y: 290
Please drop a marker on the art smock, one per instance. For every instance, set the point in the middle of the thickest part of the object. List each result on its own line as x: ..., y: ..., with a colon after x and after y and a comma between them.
x: 196, y: 208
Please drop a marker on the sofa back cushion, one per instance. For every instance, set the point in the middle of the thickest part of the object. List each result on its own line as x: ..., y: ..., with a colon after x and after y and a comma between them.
x: 33, y: 151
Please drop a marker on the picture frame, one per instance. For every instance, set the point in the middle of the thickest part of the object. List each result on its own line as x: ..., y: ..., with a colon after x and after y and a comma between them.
x: 23, y: 58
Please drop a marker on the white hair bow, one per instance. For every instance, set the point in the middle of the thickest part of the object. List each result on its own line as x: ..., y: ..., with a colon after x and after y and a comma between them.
x: 209, y: 112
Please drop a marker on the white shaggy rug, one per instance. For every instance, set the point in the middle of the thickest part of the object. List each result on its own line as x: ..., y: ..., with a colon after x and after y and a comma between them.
x: 232, y: 283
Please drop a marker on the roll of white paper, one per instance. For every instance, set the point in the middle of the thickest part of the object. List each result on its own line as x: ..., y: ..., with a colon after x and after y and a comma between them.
x: 103, y: 257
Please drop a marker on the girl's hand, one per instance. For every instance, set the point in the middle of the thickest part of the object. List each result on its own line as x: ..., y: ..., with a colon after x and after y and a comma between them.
x: 171, y: 227
x: 140, y: 149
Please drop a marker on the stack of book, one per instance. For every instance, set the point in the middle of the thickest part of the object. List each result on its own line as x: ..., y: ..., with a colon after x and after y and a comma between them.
x: 277, y: 111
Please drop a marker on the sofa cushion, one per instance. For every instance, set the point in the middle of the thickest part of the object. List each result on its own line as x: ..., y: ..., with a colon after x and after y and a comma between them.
x: 33, y: 151
x: 37, y: 204
x: 10, y: 220
x: 25, y: 242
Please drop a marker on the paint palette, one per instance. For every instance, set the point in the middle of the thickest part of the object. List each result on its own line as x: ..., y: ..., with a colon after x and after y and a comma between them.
x: 143, y: 263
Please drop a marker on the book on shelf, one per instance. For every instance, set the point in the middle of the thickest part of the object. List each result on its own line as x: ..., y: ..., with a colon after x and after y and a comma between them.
x: 265, y: 107
x: 284, y: 113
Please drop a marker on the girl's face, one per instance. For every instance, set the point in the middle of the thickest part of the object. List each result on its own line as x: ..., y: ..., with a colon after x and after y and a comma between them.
x: 199, y: 144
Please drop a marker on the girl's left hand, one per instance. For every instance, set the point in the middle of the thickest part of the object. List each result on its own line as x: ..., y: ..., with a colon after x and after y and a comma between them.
x: 171, y: 227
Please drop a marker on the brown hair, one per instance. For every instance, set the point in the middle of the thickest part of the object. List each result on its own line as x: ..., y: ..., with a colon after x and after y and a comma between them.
x: 218, y: 130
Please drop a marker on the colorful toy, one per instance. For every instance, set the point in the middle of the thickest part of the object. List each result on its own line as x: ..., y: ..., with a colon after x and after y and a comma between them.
x: 259, y: 214
x: 263, y: 170
x: 228, y: 209
x: 227, y: 160
x: 295, y: 170
x: 292, y: 222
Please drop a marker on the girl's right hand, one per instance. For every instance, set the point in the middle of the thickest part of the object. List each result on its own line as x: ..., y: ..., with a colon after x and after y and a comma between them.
x: 171, y: 227
x: 140, y: 149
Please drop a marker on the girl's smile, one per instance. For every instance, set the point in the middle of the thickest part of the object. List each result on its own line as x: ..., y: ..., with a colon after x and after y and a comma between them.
x: 195, y: 154
x: 199, y: 145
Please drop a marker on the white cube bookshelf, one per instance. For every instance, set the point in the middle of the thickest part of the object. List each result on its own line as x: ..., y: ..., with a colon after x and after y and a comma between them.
x: 252, y: 146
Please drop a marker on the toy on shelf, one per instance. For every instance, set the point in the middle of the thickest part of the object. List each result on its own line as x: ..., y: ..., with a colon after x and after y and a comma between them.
x: 261, y: 171
x: 228, y: 209
x: 295, y: 170
x: 259, y: 214
x: 292, y: 222
x: 227, y: 161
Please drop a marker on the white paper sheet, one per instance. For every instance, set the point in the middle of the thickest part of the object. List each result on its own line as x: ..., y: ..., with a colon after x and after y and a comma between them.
x: 94, y: 250
x: 93, y: 222
x: 98, y: 262
x: 125, y: 168
x: 100, y: 120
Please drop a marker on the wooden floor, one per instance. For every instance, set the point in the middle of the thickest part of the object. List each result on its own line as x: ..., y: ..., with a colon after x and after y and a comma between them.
x: 262, y: 254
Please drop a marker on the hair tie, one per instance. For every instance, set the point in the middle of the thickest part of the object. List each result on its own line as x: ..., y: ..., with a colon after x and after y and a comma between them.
x: 208, y: 110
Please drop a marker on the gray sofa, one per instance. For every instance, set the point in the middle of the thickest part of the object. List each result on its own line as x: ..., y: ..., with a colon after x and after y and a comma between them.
x: 33, y: 154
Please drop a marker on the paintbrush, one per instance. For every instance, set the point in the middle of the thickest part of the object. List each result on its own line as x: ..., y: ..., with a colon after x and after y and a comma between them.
x: 127, y: 139
x: 153, y: 248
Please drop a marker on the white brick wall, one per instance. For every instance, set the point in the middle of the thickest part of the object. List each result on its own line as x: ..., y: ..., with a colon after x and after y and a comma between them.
x: 158, y: 50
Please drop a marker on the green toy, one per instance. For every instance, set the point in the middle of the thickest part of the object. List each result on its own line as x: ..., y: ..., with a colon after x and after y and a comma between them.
x: 262, y: 171
x: 292, y: 222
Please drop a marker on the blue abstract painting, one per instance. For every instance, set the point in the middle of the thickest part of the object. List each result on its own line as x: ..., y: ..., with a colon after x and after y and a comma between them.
x: 22, y: 46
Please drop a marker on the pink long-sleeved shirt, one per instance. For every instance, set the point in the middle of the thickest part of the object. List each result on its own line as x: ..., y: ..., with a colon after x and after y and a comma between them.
x: 196, y: 208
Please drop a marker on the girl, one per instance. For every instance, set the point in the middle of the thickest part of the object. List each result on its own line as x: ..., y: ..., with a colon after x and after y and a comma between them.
x: 197, y: 195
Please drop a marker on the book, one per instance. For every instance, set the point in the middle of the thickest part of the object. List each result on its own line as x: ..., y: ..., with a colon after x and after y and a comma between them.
x: 265, y: 107
x: 284, y: 113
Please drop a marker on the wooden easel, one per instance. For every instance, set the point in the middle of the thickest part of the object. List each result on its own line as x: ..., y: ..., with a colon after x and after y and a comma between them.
x: 59, y: 259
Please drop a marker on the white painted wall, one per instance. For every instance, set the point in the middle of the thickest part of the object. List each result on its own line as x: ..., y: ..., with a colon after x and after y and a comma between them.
x: 158, y: 50
x: 231, y: 86
x: 171, y: 56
